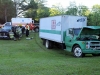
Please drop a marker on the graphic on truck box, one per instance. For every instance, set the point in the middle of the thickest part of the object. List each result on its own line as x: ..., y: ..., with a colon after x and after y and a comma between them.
x: 53, y: 24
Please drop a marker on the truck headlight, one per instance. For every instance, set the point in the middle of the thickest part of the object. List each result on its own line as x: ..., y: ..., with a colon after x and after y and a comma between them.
x: 87, y: 45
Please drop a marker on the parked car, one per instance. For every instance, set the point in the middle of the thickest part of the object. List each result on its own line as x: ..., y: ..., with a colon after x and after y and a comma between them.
x: 4, y: 32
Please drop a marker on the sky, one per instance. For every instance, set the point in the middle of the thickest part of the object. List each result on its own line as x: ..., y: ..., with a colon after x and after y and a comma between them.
x: 65, y: 3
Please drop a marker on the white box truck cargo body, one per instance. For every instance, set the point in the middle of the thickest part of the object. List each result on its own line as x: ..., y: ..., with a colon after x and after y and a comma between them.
x: 20, y: 21
x: 52, y: 28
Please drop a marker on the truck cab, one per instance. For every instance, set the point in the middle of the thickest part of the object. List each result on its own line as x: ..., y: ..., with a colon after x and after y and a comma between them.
x: 83, y: 41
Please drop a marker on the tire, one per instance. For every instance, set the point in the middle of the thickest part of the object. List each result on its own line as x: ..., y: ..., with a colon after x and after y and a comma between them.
x: 77, y: 52
x: 36, y: 29
x: 48, y: 44
x: 96, y: 54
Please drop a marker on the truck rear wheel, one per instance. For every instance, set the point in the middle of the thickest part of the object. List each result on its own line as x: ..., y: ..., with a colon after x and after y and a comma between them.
x: 48, y: 44
x: 77, y: 52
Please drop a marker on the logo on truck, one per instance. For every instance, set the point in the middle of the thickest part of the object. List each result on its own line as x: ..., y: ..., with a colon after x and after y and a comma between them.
x: 81, y: 20
x: 53, y: 24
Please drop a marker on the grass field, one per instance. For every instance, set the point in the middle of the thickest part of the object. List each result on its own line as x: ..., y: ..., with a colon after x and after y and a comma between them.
x: 30, y: 57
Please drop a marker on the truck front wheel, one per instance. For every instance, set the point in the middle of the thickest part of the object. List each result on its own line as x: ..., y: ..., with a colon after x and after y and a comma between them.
x: 77, y: 52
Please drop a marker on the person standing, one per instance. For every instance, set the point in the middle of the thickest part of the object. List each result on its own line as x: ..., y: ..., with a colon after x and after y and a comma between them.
x: 27, y: 30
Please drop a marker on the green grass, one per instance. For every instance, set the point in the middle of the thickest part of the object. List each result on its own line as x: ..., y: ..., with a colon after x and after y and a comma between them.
x: 30, y: 57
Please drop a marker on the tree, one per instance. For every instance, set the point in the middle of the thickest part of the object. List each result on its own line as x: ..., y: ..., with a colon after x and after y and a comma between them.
x: 30, y: 9
x: 94, y: 16
x: 7, y: 10
x: 80, y: 10
x: 21, y: 6
x: 36, y: 9
x: 42, y: 10
x: 56, y: 10
x: 72, y: 9
x: 90, y: 21
x: 83, y: 10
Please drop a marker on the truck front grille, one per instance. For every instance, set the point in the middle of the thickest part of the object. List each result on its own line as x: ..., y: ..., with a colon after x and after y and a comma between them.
x: 95, y: 45
x: 3, y: 35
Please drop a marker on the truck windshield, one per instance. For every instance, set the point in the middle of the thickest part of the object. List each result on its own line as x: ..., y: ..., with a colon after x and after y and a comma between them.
x: 76, y: 31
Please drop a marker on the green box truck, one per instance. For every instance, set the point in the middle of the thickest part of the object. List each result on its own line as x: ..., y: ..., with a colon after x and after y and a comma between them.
x: 72, y: 33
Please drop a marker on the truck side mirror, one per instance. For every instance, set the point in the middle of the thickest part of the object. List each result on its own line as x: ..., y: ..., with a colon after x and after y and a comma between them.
x: 71, y: 31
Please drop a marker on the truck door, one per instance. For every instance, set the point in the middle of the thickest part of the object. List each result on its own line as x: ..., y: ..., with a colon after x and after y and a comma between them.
x: 69, y: 38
